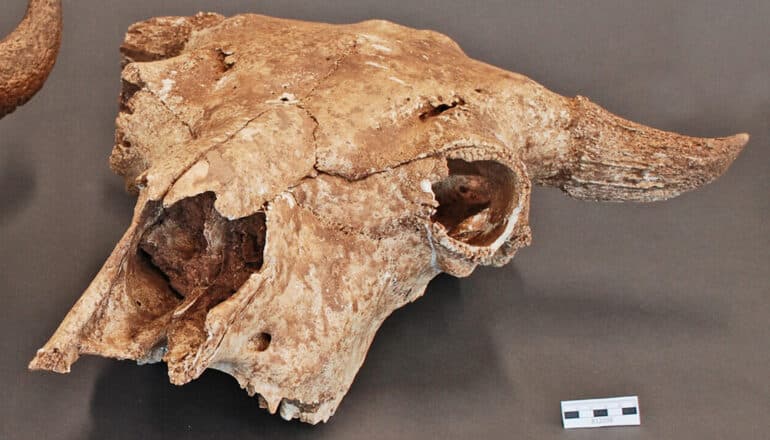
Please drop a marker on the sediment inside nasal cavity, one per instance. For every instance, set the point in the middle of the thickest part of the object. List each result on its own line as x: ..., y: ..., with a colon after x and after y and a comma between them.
x: 205, y: 259
x: 198, y: 249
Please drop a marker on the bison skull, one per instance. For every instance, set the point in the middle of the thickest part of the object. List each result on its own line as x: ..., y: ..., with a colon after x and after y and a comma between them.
x: 297, y: 182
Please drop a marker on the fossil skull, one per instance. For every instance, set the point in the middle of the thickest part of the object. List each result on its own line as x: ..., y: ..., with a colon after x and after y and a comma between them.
x: 297, y: 182
x: 27, y: 54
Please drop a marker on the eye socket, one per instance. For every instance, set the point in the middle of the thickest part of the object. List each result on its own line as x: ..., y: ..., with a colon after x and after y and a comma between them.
x: 475, y: 200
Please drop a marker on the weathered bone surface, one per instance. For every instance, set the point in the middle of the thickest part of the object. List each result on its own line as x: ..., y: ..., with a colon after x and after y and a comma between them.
x: 297, y: 182
x: 27, y: 54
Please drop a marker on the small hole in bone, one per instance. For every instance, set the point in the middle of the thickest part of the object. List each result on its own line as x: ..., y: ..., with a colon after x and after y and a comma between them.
x: 261, y: 341
x: 128, y: 91
x: 474, y: 200
x: 434, y: 111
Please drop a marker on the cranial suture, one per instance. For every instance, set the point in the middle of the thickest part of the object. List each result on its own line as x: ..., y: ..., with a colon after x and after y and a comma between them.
x: 297, y: 182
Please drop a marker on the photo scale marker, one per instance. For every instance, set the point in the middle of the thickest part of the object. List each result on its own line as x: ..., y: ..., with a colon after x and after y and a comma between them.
x: 595, y: 413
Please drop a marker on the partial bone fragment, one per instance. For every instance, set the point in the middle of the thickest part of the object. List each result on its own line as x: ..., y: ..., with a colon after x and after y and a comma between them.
x: 27, y: 54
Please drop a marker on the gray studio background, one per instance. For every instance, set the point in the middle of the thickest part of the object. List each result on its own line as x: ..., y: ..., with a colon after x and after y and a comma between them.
x: 670, y: 301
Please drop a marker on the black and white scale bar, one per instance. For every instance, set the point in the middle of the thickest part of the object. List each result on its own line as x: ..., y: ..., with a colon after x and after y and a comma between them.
x: 594, y: 413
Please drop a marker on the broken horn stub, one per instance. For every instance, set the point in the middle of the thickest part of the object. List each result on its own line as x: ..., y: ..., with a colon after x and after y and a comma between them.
x: 482, y: 212
x: 158, y: 38
x: 614, y: 159
x: 28, y: 54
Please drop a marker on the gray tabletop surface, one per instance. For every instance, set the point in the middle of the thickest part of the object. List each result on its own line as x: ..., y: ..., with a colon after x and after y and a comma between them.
x: 669, y: 301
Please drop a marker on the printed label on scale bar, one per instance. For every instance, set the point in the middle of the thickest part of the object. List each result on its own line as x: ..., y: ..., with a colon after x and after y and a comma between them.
x: 595, y: 413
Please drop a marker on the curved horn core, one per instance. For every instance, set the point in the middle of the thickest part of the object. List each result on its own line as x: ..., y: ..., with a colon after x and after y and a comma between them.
x: 614, y: 159
x: 27, y: 54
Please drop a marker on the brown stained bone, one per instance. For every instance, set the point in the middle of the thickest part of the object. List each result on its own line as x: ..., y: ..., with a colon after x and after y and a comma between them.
x: 27, y: 54
x: 299, y: 181
x: 205, y: 259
